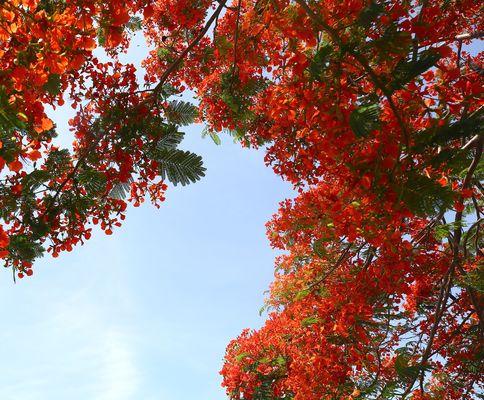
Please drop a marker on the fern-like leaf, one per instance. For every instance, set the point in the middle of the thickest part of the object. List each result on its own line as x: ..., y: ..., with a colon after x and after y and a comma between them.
x: 370, y: 13
x: 134, y: 24
x: 407, y: 71
x: 9, y: 119
x: 170, y: 139
x: 93, y: 181
x: 24, y: 247
x: 181, y: 113
x: 180, y: 166
x: 365, y: 119
x: 423, y: 195
x: 320, y: 62
x: 470, y: 126
x: 121, y: 189
x: 212, y: 134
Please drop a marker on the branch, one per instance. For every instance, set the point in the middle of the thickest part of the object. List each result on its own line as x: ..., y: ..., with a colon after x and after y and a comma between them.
x: 471, y: 142
x: 175, y: 64
x: 445, y: 289
x: 468, y: 36
x: 341, y: 259
x: 439, y: 312
x: 452, y: 335
x: 227, y: 7
x: 415, y: 38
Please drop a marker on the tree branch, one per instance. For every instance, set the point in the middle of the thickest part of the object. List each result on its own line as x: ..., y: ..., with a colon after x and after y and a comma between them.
x: 175, y: 64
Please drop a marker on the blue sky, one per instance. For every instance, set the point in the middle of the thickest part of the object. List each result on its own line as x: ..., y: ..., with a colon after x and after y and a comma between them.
x: 146, y: 313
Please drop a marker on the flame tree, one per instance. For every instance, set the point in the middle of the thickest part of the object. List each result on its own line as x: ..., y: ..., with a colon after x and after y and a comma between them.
x: 371, y: 109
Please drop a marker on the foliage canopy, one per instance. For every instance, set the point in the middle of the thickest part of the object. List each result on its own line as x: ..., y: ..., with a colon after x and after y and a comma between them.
x: 372, y: 109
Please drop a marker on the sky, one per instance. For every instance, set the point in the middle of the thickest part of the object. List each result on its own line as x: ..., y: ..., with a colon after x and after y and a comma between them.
x: 147, y: 313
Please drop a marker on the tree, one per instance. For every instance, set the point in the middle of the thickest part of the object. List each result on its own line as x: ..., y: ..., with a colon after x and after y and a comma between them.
x: 372, y: 109
x: 126, y: 136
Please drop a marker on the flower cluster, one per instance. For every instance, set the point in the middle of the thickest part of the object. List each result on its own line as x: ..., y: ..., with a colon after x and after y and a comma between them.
x: 125, y: 135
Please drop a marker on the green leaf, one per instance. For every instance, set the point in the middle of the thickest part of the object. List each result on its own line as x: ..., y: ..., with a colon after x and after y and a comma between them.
x: 470, y: 126
x: 180, y: 166
x: 280, y: 360
x: 134, y: 24
x: 407, y: 70
x: 423, y: 195
x: 167, y: 91
x: 241, y: 356
x: 53, y: 84
x: 475, y: 279
x: 9, y: 117
x: 310, y: 321
x: 58, y: 161
x: 442, y: 231
x: 390, y: 391
x: 320, y: 61
x: 393, y: 41
x: 408, y: 372
x: 264, y: 392
x: 181, y: 112
x: 22, y: 247
x: 34, y: 179
x: 163, y: 53
x: 213, y: 135
x: 39, y: 228
x: 121, y: 189
x: 170, y: 139
x: 365, y: 119
x: 302, y: 294
x: 215, y: 138
x: 319, y: 249
x: 93, y: 181
x: 223, y: 45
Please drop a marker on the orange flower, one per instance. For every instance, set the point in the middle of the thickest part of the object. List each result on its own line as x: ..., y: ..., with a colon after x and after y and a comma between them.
x: 15, y: 166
